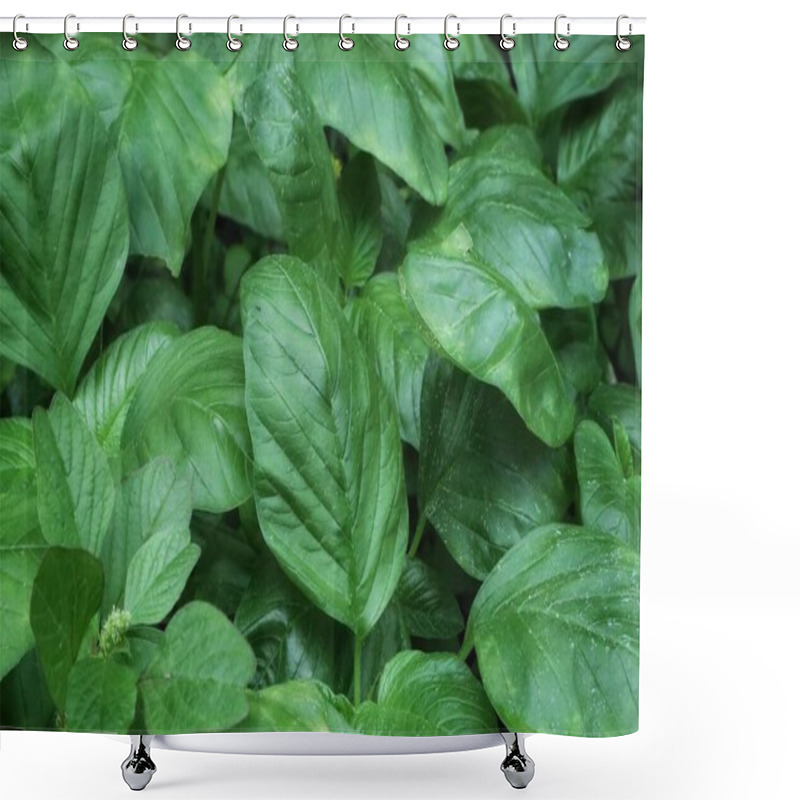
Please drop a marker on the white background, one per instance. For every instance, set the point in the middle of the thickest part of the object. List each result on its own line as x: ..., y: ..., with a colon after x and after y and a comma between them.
x: 720, y: 601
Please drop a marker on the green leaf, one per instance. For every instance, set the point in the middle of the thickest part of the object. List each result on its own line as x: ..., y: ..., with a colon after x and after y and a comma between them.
x: 610, y: 492
x: 101, y: 696
x: 63, y: 220
x: 361, y: 235
x: 75, y: 497
x: 484, y: 479
x: 556, y: 631
x: 548, y: 79
x: 21, y: 544
x: 105, y: 394
x: 635, y: 322
x: 483, y: 324
x: 352, y: 95
x: 164, y: 112
x: 157, y: 576
x: 307, y: 706
x: 427, y: 694
x: 189, y: 406
x: 523, y: 225
x: 394, y: 345
x: 623, y: 403
x: 291, y: 143
x: 388, y: 637
x: 196, y: 681
x: 478, y: 58
x: 152, y: 502
x: 429, y: 608
x: 328, y: 481
x: 25, y: 701
x: 291, y: 637
x: 154, y: 299
x: 66, y: 594
x: 247, y: 195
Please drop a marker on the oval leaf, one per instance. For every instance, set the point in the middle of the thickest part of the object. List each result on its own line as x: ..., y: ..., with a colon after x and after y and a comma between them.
x: 101, y: 697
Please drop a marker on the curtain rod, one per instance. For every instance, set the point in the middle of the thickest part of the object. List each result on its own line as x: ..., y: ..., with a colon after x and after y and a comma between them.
x: 351, y: 25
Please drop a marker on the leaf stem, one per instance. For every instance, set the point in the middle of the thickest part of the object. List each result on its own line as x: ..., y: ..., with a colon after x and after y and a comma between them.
x: 466, y: 649
x: 357, y: 672
x: 201, y: 264
x: 419, y: 530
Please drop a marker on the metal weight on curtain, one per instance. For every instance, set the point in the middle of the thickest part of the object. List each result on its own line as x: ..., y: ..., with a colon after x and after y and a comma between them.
x: 233, y: 44
x: 561, y: 43
x: 181, y: 42
x: 451, y: 42
x: 506, y: 42
x: 290, y: 44
x: 128, y: 42
x: 401, y: 42
x: 19, y: 43
x: 70, y: 42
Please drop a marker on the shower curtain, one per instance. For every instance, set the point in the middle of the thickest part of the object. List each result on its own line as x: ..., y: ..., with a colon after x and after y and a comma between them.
x: 320, y: 385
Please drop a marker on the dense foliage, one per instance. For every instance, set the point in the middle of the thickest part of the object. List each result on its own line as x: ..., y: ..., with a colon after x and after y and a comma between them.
x: 319, y: 386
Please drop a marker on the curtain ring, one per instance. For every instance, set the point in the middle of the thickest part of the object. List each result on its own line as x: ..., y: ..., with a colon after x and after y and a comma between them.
x: 19, y: 43
x: 400, y: 42
x: 561, y: 43
x: 623, y: 44
x: 234, y: 44
x: 450, y: 42
x: 506, y: 42
x: 70, y: 42
x: 128, y: 42
x: 345, y: 42
x: 181, y: 42
x: 290, y: 44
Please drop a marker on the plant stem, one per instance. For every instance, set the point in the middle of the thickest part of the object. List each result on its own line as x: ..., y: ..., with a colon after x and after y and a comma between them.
x: 357, y: 672
x: 420, y: 529
x: 201, y: 264
x: 466, y: 649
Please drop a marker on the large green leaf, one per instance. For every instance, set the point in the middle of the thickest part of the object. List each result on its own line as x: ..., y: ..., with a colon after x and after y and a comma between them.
x: 153, y: 501
x: 427, y: 604
x: 25, y: 701
x: 75, y: 486
x: 196, y: 681
x: 66, y: 594
x: 307, y: 706
x: 171, y: 122
x: 189, y: 406
x: 291, y: 637
x: 484, y: 479
x: 328, y: 480
x: 105, y: 394
x: 394, y: 345
x: 383, y: 106
x: 483, y: 324
x: 288, y: 137
x: 610, y: 490
x: 63, y: 228
x: 21, y: 544
x: 623, y: 403
x: 523, y: 225
x: 556, y: 630
x: 387, y: 638
x: 427, y: 694
x: 101, y: 696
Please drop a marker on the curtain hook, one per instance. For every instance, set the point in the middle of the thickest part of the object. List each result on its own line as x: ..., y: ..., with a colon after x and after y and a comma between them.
x: 506, y: 42
x: 234, y: 44
x: 19, y: 43
x: 561, y: 43
x: 128, y: 42
x: 400, y: 42
x: 290, y: 44
x: 345, y: 42
x: 451, y: 42
x: 70, y: 42
x: 181, y: 42
x: 623, y: 44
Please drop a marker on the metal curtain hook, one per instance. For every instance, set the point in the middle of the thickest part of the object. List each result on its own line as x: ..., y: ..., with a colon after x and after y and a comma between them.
x: 128, y: 42
x: 561, y: 43
x: 234, y: 44
x: 623, y: 44
x: 506, y: 42
x: 345, y: 42
x: 450, y: 42
x: 181, y: 42
x: 290, y: 44
x: 70, y: 42
x: 400, y: 42
x: 19, y: 43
